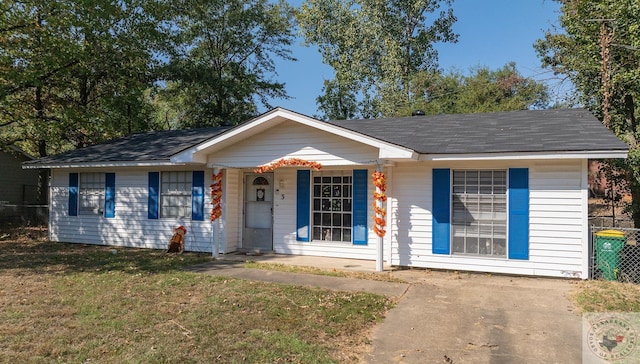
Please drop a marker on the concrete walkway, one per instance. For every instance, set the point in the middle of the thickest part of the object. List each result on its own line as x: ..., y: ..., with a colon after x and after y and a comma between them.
x: 446, y: 317
x: 235, y: 269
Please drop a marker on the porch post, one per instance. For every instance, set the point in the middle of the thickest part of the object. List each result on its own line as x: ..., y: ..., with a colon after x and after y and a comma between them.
x: 215, y: 242
x: 379, y: 247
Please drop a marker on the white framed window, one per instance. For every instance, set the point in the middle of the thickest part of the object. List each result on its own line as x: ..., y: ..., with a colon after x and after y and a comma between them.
x: 175, y: 195
x: 479, y: 212
x: 331, y: 207
x: 91, y: 193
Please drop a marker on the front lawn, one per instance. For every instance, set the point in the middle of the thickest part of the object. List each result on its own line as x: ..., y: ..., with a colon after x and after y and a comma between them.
x: 607, y: 296
x: 62, y: 303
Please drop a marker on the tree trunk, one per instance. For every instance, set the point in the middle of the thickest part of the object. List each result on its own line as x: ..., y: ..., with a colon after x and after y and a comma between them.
x: 635, y: 211
x: 129, y: 123
x: 630, y: 119
x: 633, y: 183
x: 43, y: 176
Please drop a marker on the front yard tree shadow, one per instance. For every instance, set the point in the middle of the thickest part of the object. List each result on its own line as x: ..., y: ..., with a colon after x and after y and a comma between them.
x: 57, y: 258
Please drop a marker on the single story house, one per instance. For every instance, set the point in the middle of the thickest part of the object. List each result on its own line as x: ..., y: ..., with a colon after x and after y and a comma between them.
x: 494, y: 192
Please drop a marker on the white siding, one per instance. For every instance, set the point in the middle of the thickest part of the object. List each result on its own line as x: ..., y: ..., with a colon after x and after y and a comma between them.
x: 284, y: 227
x: 232, y: 212
x: 130, y: 226
x: 557, y: 218
x: 558, y: 225
x: 284, y: 211
x: 557, y: 239
x: 293, y: 140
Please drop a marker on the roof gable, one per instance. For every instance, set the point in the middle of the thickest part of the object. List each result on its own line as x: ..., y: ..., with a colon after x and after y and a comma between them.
x: 198, y: 153
x: 290, y: 139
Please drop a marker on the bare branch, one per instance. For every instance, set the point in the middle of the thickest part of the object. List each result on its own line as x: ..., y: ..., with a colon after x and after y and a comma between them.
x: 14, y: 27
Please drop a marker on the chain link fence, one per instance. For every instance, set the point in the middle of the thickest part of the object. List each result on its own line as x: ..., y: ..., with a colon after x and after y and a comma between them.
x: 615, y: 254
x: 28, y: 215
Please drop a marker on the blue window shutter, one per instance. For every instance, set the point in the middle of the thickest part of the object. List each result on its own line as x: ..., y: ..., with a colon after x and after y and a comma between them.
x: 197, y: 196
x: 73, y: 194
x: 441, y: 211
x: 109, y: 195
x: 360, y: 197
x: 154, y: 194
x: 303, y: 193
x: 518, y: 213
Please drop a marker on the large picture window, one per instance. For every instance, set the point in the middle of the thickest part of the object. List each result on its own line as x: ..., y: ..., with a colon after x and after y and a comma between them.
x: 332, y: 206
x: 91, y: 193
x: 175, y: 195
x: 479, y: 212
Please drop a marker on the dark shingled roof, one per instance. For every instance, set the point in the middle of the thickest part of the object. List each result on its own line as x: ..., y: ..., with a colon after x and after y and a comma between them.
x: 149, y: 146
x: 556, y: 130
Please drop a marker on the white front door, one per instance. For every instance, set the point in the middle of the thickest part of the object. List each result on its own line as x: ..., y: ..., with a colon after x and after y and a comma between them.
x: 258, y: 212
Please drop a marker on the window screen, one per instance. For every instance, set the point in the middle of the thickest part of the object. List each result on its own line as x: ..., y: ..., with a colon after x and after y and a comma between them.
x: 479, y: 212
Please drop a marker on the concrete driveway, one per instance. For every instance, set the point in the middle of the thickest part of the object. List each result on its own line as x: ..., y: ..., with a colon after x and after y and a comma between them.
x: 479, y: 318
x: 444, y: 317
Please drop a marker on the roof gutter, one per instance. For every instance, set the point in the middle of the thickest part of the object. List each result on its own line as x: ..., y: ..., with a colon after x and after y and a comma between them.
x: 101, y: 164
x: 586, y: 154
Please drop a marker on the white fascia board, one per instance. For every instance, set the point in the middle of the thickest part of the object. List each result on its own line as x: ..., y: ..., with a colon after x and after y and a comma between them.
x: 336, y: 163
x: 324, y: 165
x: 387, y: 150
x: 103, y: 165
x: 601, y: 154
x: 278, y: 115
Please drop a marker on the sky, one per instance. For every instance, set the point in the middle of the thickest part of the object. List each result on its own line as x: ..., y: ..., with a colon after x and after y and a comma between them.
x: 491, y: 33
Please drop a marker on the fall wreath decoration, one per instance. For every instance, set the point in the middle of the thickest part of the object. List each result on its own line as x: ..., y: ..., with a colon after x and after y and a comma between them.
x: 216, y: 196
x: 379, y: 197
x: 287, y: 162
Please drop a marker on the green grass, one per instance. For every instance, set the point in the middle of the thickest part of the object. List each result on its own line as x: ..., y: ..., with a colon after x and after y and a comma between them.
x: 383, y: 276
x: 66, y: 303
x: 607, y: 296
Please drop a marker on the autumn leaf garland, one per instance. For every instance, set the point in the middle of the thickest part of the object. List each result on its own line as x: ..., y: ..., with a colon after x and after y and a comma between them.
x: 216, y: 196
x: 287, y: 162
x: 380, y: 181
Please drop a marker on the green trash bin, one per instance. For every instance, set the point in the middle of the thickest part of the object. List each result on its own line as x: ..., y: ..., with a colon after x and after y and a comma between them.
x: 609, y: 244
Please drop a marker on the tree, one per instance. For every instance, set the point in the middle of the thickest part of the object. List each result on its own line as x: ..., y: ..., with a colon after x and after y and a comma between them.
x: 482, y: 90
x: 375, y: 48
x: 598, y: 49
x: 222, y: 57
x: 73, y: 73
